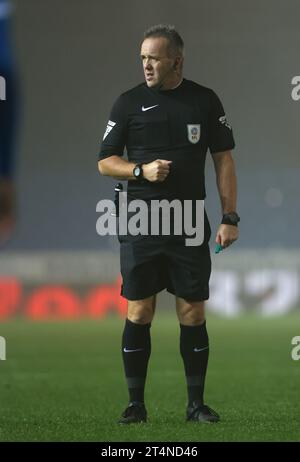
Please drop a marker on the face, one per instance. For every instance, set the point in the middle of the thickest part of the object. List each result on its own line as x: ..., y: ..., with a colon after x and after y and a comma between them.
x: 158, y: 64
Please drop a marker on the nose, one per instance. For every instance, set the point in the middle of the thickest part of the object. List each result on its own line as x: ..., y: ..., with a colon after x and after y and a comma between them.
x: 147, y: 65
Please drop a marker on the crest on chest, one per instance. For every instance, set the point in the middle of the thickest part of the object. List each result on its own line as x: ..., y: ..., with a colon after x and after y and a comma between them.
x: 193, y: 133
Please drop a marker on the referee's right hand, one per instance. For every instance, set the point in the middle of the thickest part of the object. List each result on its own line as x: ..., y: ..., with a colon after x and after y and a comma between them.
x: 157, y: 171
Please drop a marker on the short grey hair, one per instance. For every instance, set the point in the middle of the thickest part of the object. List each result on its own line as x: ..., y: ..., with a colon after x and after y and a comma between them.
x: 168, y: 31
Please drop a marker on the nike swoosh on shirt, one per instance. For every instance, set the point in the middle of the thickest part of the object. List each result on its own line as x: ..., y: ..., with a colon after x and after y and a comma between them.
x: 149, y: 107
x: 131, y: 351
x: 196, y: 350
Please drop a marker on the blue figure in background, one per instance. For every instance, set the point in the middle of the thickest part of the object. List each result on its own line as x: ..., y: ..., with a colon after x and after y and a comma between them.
x: 8, y: 106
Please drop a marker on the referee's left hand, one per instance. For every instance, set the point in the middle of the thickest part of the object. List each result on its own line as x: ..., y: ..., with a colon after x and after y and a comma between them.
x: 226, y: 235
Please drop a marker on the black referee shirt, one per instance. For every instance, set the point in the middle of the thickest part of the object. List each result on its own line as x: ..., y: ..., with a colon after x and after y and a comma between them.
x: 178, y: 125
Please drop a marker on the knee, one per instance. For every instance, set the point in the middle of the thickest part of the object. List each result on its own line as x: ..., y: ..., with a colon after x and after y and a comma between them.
x: 192, y: 314
x: 140, y: 313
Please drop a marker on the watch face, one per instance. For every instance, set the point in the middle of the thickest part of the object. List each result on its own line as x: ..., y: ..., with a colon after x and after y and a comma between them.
x: 137, y: 171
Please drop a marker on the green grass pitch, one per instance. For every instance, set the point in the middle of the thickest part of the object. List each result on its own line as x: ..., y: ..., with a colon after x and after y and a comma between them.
x: 64, y: 382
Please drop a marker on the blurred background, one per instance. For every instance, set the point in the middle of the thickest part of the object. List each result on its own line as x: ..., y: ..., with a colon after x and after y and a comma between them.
x: 71, y: 59
x: 64, y: 63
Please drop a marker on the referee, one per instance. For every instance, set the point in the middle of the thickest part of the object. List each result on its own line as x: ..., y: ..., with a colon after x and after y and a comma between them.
x: 167, y: 124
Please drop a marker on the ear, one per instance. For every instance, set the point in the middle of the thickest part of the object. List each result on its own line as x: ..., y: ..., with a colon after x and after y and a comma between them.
x: 176, y: 63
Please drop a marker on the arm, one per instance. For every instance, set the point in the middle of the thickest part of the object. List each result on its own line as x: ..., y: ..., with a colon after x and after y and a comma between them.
x: 121, y: 169
x: 116, y: 167
x: 227, y: 187
x: 226, y: 180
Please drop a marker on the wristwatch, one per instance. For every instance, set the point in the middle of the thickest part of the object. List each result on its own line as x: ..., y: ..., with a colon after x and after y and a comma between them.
x: 230, y: 218
x: 138, y: 171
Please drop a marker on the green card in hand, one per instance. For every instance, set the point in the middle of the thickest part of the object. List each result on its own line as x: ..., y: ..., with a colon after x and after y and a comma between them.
x: 218, y: 248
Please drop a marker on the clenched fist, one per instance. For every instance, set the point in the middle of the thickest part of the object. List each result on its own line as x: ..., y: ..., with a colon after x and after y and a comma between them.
x: 157, y: 171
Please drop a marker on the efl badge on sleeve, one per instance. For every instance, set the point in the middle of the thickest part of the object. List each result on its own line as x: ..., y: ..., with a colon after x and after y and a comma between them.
x: 193, y: 133
x: 110, y: 126
x: 223, y: 121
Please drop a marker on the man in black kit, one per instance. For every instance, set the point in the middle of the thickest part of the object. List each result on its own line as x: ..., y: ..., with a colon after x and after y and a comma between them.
x: 167, y: 124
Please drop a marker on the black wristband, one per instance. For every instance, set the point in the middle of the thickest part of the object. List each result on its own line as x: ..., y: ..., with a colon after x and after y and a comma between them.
x: 230, y: 218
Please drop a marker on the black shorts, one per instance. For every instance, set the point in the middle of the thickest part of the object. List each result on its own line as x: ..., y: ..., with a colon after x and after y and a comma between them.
x: 150, y: 264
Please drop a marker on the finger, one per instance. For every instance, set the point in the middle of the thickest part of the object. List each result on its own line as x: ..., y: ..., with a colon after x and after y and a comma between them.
x: 163, y: 172
x: 218, y: 239
x: 165, y: 162
x: 162, y: 177
x: 162, y: 168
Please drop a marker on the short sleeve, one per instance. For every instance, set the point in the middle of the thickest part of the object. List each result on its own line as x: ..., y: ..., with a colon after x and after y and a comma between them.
x: 220, y: 136
x: 114, y: 138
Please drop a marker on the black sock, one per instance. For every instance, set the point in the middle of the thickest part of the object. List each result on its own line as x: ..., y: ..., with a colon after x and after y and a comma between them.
x: 136, y: 337
x: 192, y: 339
